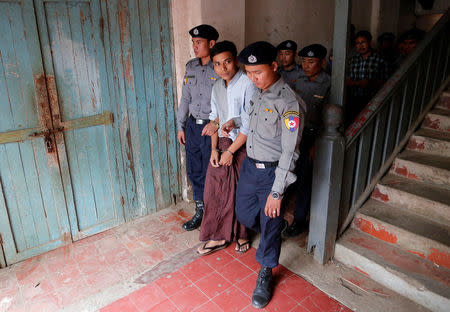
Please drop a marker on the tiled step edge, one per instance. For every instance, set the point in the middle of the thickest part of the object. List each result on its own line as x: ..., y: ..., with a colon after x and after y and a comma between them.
x: 401, y: 228
x: 395, y: 269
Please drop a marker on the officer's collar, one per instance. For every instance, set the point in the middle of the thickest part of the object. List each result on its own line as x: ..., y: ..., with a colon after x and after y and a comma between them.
x: 210, y: 63
x: 276, y: 86
x: 295, y: 67
x: 319, y: 79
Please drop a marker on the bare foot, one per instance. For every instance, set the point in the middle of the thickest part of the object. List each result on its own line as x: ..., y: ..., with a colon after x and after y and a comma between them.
x: 211, y: 246
x: 242, y: 245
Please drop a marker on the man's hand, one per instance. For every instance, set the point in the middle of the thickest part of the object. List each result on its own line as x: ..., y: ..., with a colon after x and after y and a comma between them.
x: 273, y: 206
x: 181, y: 137
x: 214, y: 159
x: 226, y: 159
x: 210, y: 128
x: 227, y: 127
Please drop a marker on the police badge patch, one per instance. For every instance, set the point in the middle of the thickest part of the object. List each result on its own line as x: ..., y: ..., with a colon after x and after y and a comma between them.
x: 195, y: 31
x: 291, y: 123
x: 252, y: 59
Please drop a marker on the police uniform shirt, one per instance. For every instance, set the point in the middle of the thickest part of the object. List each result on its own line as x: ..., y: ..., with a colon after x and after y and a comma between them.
x: 315, y: 94
x: 276, y: 121
x: 228, y: 102
x: 290, y: 76
x: 196, y: 92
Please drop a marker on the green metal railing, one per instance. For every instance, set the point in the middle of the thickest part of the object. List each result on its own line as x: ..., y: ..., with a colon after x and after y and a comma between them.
x: 382, y: 129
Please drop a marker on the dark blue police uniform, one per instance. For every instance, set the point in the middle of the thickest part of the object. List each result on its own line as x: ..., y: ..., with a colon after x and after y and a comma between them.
x: 192, y: 117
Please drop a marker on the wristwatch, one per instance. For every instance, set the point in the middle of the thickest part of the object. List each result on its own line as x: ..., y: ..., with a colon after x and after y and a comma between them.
x: 276, y: 195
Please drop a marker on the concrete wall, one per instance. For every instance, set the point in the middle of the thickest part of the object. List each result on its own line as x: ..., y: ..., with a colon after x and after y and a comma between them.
x: 306, y: 21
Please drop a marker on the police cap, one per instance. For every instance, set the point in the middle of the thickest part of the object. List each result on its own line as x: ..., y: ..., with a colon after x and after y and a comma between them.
x: 257, y: 53
x: 313, y: 50
x: 204, y: 31
x: 287, y: 45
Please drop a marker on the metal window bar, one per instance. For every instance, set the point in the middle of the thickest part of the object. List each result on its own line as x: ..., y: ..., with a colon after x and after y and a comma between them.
x: 382, y: 129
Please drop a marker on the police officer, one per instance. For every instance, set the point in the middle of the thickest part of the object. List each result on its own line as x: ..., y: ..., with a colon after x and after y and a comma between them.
x: 313, y: 86
x: 288, y: 68
x: 276, y: 119
x: 193, y: 114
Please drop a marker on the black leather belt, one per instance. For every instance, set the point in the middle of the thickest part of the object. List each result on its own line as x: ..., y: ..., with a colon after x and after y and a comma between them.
x: 263, y: 164
x: 199, y: 121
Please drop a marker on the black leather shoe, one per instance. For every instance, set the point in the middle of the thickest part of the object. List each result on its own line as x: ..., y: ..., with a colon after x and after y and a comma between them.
x: 197, y: 218
x: 263, y: 290
x: 295, y: 229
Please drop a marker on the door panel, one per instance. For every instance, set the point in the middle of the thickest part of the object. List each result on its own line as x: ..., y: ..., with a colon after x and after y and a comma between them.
x: 33, y: 216
x: 77, y: 63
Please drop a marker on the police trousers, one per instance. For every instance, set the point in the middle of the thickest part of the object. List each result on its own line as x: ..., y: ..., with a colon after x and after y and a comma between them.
x: 198, y: 152
x: 253, y: 188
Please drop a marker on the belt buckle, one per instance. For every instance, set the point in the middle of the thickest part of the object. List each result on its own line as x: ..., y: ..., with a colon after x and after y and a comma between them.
x: 260, y: 166
x: 199, y: 121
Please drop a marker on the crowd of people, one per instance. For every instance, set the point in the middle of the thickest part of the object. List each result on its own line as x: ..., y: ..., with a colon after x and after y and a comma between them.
x: 370, y: 69
x: 249, y: 135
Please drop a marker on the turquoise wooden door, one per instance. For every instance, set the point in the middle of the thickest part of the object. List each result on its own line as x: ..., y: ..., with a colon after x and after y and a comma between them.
x: 33, y: 215
x: 75, y: 58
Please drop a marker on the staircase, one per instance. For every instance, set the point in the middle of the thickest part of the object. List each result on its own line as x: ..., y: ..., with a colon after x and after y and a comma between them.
x: 401, y: 236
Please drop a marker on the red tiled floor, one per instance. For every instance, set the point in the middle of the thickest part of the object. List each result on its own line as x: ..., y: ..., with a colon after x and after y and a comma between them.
x: 196, y: 270
x: 188, y: 298
x: 208, y: 307
x: 213, y: 284
x: 231, y: 300
x: 173, y: 283
x: 318, y: 301
x: 147, y: 297
x: 122, y: 305
x: 234, y: 271
x: 222, y: 281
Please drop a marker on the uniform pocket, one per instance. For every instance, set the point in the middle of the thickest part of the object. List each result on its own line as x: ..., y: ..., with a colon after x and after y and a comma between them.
x: 269, y: 125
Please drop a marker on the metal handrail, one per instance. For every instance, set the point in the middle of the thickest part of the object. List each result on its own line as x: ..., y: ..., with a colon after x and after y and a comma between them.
x: 382, y: 129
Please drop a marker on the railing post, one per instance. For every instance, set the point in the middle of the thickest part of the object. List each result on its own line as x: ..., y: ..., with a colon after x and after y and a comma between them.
x: 330, y: 149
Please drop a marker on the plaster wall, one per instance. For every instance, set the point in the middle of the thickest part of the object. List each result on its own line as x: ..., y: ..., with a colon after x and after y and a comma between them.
x: 306, y: 21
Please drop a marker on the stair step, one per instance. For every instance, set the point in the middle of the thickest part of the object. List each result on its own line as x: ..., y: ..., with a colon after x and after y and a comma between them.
x: 430, y: 142
x: 415, y: 278
x: 426, y: 200
x: 411, y: 232
x: 437, y: 119
x: 423, y: 167
x: 444, y: 101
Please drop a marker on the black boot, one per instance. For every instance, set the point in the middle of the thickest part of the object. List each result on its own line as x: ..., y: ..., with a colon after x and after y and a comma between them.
x: 263, y: 290
x: 295, y: 229
x: 197, y: 218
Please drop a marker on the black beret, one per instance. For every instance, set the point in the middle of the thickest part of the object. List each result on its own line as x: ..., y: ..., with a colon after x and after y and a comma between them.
x: 287, y: 45
x: 313, y: 50
x: 204, y: 31
x: 257, y: 53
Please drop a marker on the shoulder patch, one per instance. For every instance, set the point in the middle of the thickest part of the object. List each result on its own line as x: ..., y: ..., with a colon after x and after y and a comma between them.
x: 291, y: 113
x: 291, y: 122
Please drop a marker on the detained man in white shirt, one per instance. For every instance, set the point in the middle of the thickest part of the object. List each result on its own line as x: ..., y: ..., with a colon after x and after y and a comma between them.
x: 230, y: 95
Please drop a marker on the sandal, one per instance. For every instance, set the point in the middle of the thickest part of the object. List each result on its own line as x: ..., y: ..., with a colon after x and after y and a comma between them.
x: 240, y: 246
x: 212, y: 249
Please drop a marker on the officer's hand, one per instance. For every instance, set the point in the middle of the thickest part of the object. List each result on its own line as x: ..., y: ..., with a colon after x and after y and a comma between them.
x: 227, y: 127
x: 209, y: 129
x: 273, y: 206
x: 181, y: 137
x: 214, y: 159
x: 226, y: 159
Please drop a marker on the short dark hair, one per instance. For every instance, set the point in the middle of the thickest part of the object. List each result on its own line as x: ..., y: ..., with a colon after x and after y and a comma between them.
x: 223, y: 46
x: 365, y: 34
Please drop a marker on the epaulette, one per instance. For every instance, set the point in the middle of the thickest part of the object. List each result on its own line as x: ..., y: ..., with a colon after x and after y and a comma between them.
x: 191, y: 62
